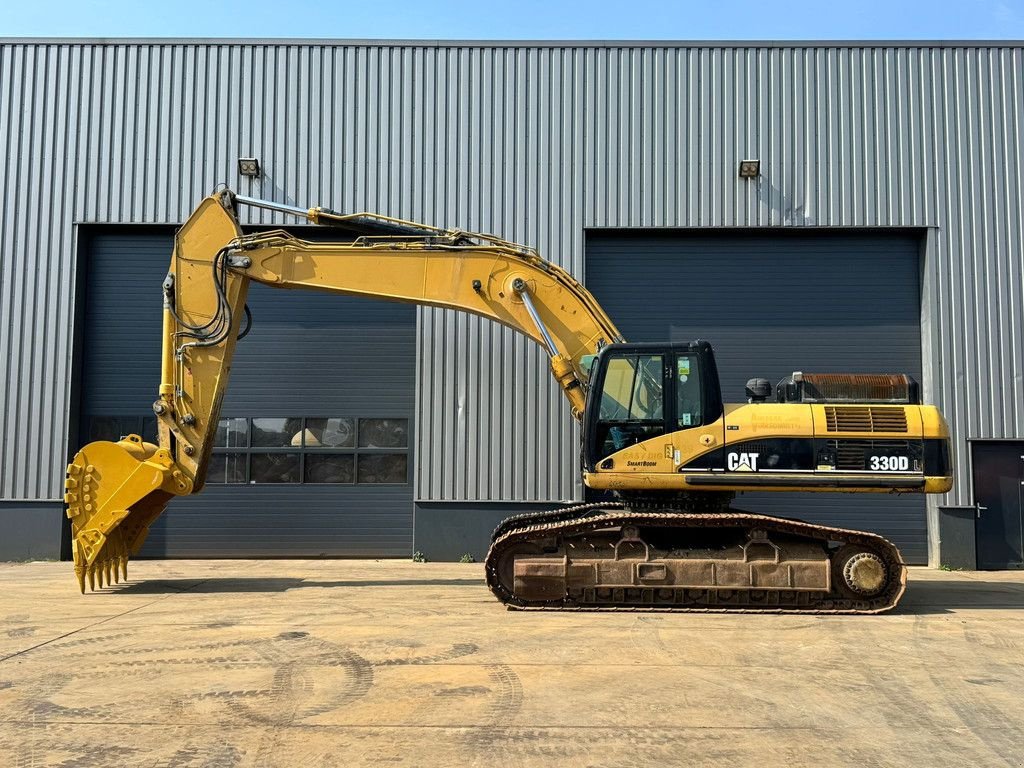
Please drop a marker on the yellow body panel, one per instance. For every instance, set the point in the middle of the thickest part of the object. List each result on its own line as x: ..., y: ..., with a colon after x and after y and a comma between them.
x: 640, y: 481
x: 932, y: 422
x: 659, y: 462
x: 747, y: 421
x: 696, y: 441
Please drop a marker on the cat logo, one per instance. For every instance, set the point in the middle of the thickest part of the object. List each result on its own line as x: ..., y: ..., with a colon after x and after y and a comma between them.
x: 742, y: 462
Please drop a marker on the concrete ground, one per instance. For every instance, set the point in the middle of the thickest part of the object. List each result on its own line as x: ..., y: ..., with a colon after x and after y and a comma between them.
x: 351, y: 663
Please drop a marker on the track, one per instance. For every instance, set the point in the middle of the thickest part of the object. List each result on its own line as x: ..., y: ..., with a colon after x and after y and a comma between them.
x: 555, y: 543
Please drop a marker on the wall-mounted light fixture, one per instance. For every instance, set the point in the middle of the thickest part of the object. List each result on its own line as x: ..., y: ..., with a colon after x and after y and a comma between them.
x: 750, y: 169
x: 249, y: 166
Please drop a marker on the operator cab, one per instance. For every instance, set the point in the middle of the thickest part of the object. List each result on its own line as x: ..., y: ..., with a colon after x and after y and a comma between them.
x: 640, y: 391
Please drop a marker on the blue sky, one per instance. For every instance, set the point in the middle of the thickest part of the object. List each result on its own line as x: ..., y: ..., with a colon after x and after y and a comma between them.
x: 521, y: 19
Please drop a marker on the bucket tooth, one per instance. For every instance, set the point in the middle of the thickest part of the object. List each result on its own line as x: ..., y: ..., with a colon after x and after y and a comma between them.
x: 80, y: 575
x: 106, y: 572
x: 91, y: 570
x: 124, y: 567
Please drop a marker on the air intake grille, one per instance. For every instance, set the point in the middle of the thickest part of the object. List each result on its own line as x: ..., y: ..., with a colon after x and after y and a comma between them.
x: 854, y: 419
x: 854, y: 455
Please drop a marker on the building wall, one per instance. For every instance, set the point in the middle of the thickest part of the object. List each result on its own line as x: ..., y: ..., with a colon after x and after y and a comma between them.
x: 537, y: 143
x: 32, y: 530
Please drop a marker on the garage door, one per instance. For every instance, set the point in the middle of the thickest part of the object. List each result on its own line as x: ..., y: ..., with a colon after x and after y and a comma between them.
x: 771, y: 304
x: 338, y: 368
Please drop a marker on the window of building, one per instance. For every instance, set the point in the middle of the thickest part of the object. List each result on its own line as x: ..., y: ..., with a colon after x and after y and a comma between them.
x: 341, y: 449
x: 113, y: 428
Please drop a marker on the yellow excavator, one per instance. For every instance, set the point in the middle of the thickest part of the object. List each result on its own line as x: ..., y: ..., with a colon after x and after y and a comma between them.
x: 657, y: 438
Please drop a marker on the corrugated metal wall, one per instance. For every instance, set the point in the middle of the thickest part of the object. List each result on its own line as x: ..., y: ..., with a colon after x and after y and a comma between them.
x: 537, y: 143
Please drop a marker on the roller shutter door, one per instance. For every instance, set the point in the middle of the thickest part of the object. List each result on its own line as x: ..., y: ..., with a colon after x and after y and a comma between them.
x: 773, y: 303
x: 309, y: 355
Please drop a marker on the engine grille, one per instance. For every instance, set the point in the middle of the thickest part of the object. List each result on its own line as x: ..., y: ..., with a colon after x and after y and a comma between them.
x: 852, y: 455
x: 865, y: 419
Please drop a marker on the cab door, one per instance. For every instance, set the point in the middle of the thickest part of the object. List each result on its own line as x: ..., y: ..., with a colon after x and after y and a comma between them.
x: 632, y: 412
x: 695, y: 414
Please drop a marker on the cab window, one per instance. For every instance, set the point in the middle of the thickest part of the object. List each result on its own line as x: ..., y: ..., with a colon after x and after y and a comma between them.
x: 689, y: 392
x: 633, y: 389
x: 632, y: 402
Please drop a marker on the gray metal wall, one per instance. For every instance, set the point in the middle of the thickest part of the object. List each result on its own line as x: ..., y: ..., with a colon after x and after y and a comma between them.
x: 538, y: 143
x: 31, y: 530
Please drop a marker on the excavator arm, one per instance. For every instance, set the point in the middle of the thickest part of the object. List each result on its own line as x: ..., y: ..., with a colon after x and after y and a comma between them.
x: 114, y: 491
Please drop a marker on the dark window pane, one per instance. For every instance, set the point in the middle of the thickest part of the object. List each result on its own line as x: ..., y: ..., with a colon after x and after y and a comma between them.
x: 633, y: 389
x: 383, y: 433
x: 113, y: 427
x: 383, y: 468
x: 330, y: 468
x: 274, y: 468
x: 231, y: 433
x: 689, y: 409
x: 330, y: 433
x: 149, y: 431
x: 276, y: 433
x: 226, y: 468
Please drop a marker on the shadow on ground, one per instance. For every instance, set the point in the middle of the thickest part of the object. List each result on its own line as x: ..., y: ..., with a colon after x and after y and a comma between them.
x: 226, y: 585
x: 922, y: 596
x: 941, y: 596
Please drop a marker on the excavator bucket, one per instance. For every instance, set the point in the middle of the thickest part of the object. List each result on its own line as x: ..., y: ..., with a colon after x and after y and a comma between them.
x: 113, y: 493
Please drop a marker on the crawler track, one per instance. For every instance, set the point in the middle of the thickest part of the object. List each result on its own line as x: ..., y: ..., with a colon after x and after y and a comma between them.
x: 583, y: 533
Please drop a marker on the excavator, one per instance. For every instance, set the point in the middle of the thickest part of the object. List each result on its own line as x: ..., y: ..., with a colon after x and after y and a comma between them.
x: 660, y: 447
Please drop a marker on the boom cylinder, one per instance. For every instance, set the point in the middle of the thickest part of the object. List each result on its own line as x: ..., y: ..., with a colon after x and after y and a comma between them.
x: 519, y: 286
x: 167, y: 349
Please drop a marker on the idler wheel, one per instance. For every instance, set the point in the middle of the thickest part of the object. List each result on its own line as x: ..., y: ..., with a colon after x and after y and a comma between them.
x: 864, y: 573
